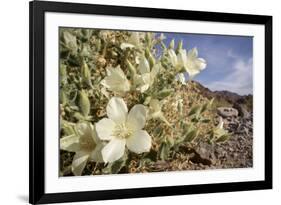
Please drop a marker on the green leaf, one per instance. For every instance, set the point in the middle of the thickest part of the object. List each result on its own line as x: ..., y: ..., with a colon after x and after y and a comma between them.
x: 149, y: 57
x: 116, y: 166
x: 78, y: 116
x: 191, y: 135
x: 170, y: 141
x: 63, y: 97
x: 204, y: 107
x: 86, y: 74
x: 164, y: 93
x: 151, y: 155
x: 223, y: 138
x: 85, y: 52
x: 67, y: 128
x: 74, y: 60
x: 84, y: 103
x: 211, y: 102
x: 195, y: 110
x: 132, y: 68
x: 195, y: 119
x: 219, y: 132
x: 63, y: 73
x: 86, y: 33
x: 147, y: 100
x: 164, y: 151
x: 145, y: 162
x: 70, y: 41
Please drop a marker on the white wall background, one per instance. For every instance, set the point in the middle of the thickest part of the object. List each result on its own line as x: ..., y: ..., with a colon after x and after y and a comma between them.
x: 14, y: 100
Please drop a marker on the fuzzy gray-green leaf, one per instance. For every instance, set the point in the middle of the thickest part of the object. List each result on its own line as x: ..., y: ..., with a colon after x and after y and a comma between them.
x: 195, y: 110
x: 191, y: 135
x: 165, y: 93
x: 84, y: 103
x: 164, y: 151
x: 70, y: 40
x: 86, y: 74
x: 223, y: 138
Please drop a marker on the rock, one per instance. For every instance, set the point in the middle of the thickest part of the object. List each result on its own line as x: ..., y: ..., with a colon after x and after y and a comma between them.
x: 232, y: 127
x: 226, y: 112
x: 241, y: 110
x: 205, y: 150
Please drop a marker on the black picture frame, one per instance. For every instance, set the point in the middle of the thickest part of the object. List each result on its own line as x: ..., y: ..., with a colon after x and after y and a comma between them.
x: 37, y: 9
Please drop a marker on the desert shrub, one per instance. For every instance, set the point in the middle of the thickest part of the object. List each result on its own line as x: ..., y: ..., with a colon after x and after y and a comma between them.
x: 122, y: 101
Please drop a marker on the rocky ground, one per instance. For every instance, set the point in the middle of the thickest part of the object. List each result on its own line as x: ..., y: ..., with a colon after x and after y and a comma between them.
x: 234, y: 153
x: 237, y: 152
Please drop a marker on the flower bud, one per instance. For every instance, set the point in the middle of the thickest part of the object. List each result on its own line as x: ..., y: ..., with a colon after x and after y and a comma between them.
x: 179, y: 47
x: 150, y: 57
x: 84, y: 103
x: 132, y: 68
x: 172, y: 44
x: 86, y: 74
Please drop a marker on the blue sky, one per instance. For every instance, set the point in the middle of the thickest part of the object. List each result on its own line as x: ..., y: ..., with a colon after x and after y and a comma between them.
x: 229, y: 60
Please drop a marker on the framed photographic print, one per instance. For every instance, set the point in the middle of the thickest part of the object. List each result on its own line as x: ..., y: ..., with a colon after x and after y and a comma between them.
x: 140, y: 102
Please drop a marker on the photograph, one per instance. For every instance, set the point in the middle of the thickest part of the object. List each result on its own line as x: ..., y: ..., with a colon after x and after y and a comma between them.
x: 134, y: 102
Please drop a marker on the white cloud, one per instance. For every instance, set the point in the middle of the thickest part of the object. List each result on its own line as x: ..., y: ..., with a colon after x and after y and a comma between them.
x: 239, y: 80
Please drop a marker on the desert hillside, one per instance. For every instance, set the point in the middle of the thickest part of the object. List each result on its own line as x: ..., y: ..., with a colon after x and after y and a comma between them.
x: 236, y: 113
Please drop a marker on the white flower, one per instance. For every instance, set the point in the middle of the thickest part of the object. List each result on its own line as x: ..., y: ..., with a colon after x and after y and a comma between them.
x: 85, y: 144
x: 116, y: 80
x: 220, y: 125
x: 147, y: 76
x: 189, y: 61
x: 173, y: 58
x: 178, y: 104
x: 155, y: 111
x: 193, y: 64
x: 219, y: 131
x: 133, y: 41
x: 178, y: 61
x: 162, y: 37
x: 123, y: 129
x: 181, y: 78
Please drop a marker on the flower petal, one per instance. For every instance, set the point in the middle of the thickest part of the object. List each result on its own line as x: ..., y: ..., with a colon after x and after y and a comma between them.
x: 193, y: 53
x: 143, y: 82
x: 139, y: 142
x: 84, y: 129
x: 173, y: 57
x: 137, y: 117
x: 79, y: 162
x: 201, y: 63
x: 192, y: 69
x: 70, y: 143
x: 123, y: 46
x: 117, y: 110
x: 116, y: 80
x: 114, y: 150
x: 135, y: 38
x: 96, y: 155
x: 181, y: 57
x: 181, y: 78
x: 105, y: 128
x: 155, y: 70
x: 194, y: 65
x: 143, y: 67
